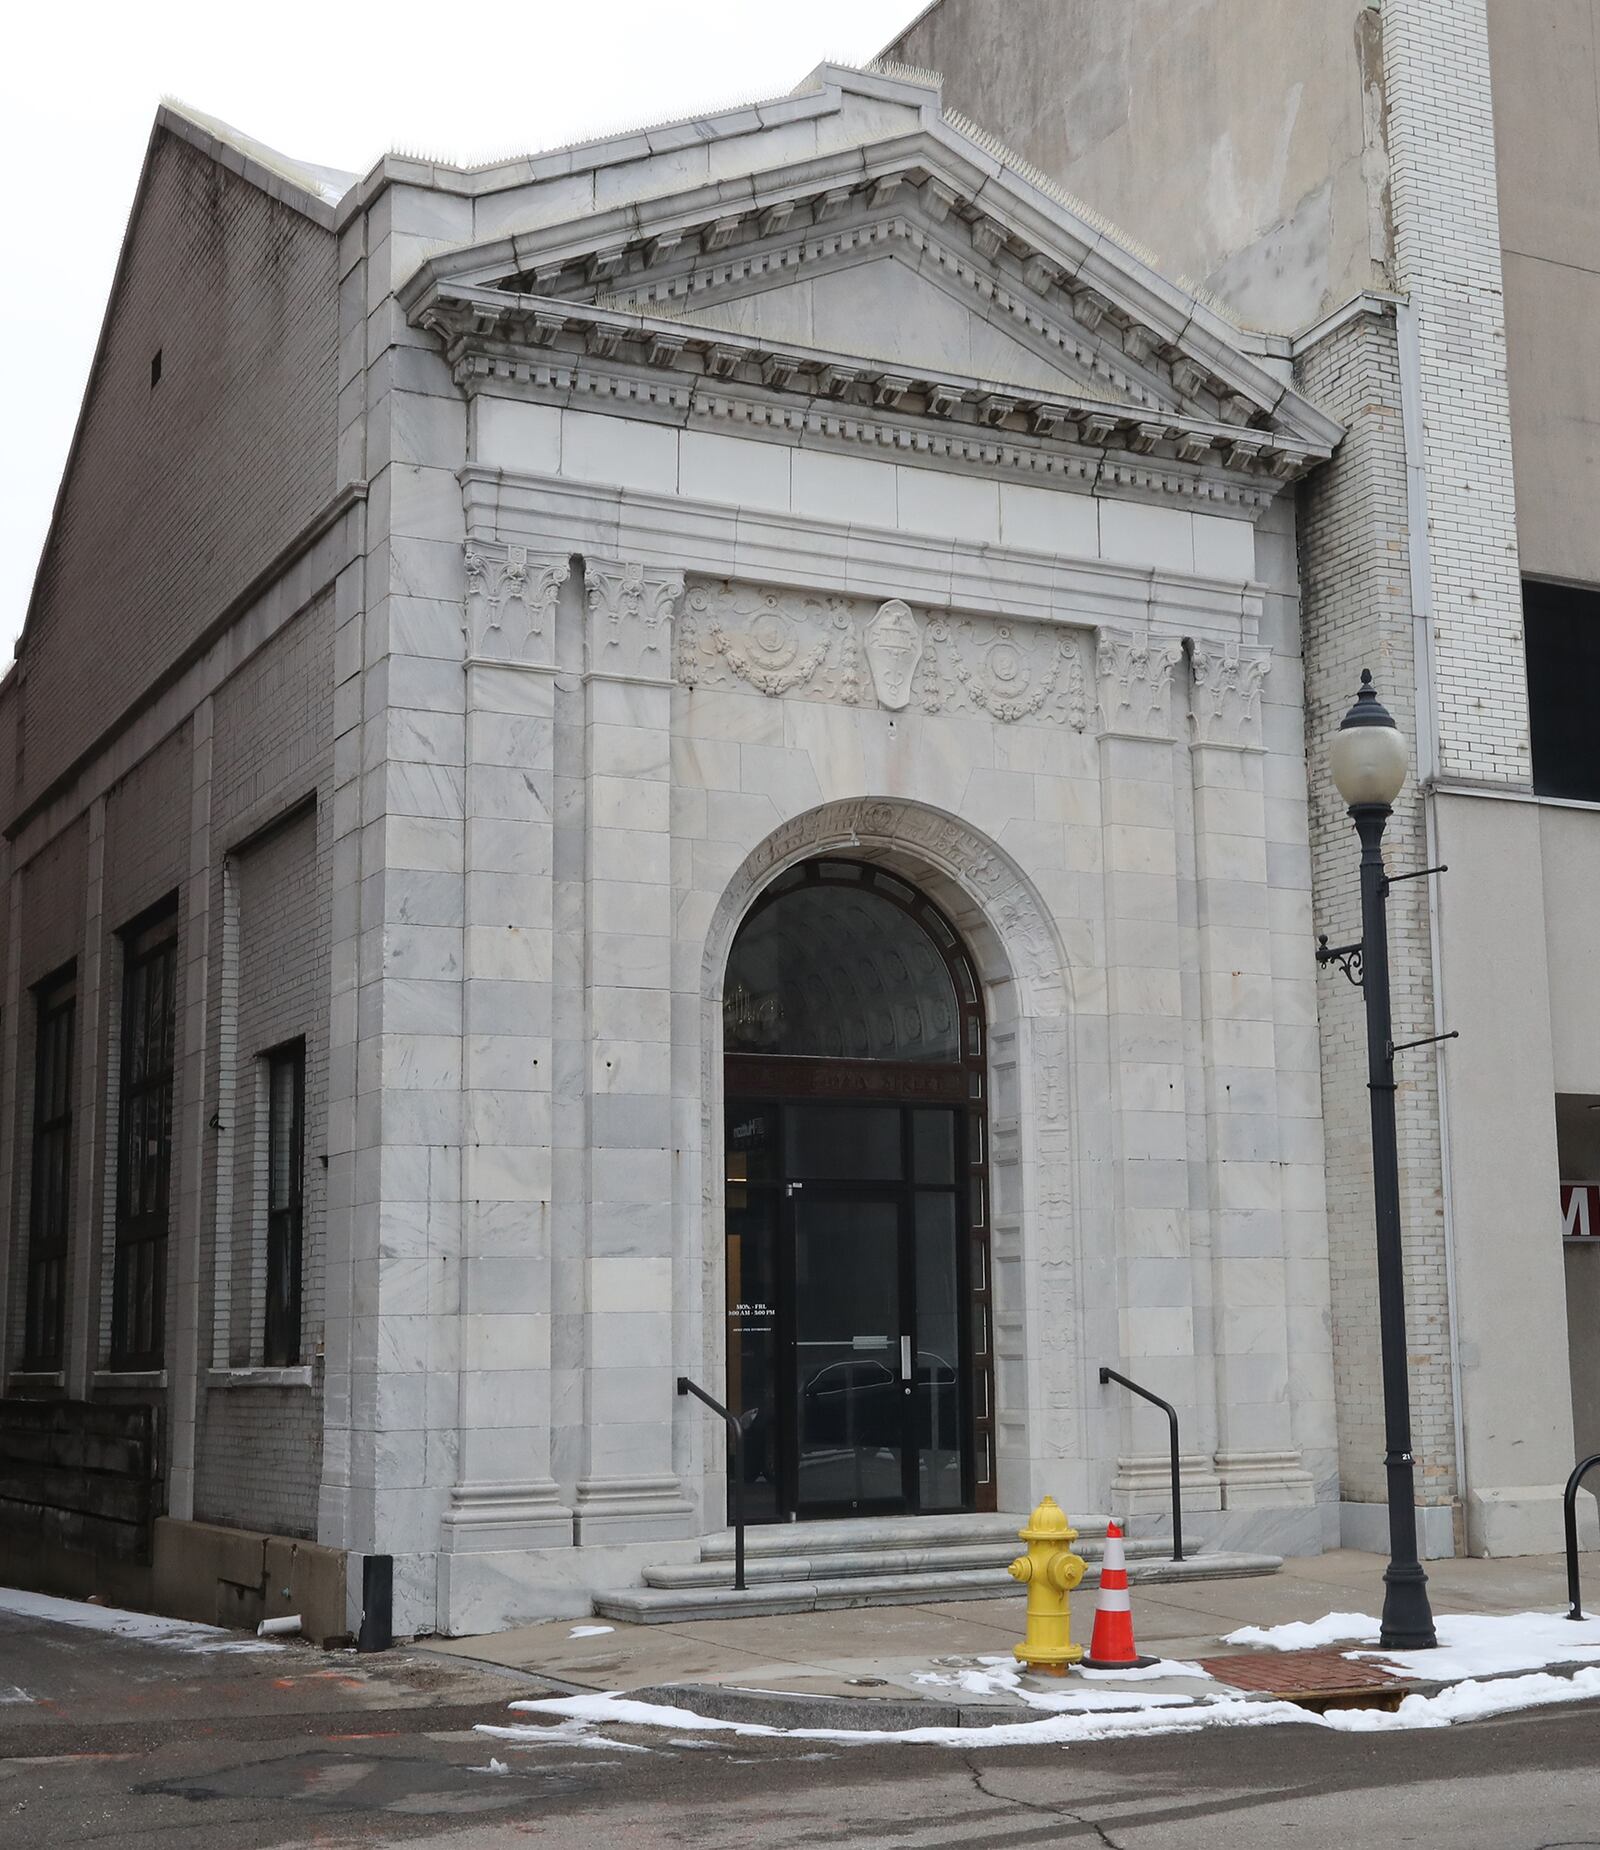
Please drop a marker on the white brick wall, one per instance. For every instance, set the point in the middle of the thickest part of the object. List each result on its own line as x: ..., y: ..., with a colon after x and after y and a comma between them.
x: 1357, y: 605
x: 1447, y: 259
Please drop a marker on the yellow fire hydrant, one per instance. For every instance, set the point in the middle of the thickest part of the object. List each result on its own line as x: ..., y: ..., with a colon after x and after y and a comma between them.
x: 1050, y: 1571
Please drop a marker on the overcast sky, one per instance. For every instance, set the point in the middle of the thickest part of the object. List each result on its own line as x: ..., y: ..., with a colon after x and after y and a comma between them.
x: 336, y: 83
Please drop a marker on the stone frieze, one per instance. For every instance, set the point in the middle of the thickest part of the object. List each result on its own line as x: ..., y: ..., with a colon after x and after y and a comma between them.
x: 858, y: 652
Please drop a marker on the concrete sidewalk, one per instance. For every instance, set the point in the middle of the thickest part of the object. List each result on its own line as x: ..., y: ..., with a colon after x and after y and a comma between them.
x: 886, y: 1654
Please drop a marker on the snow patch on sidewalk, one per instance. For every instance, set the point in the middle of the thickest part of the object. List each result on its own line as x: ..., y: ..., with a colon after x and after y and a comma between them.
x: 141, y: 1627
x: 1309, y: 1634
x: 1490, y: 1644
x: 1472, y: 1647
x: 1469, y: 1702
x: 1003, y: 1676
x: 1470, y: 1644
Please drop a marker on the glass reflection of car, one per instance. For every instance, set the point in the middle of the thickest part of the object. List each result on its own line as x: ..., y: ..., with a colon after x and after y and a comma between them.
x: 860, y: 1402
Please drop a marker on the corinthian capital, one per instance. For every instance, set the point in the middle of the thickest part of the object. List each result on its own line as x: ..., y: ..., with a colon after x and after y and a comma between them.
x: 630, y: 620
x: 1134, y: 675
x: 1225, y: 696
x: 511, y: 604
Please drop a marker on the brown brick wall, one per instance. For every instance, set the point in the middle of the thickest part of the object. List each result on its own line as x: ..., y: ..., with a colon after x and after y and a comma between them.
x: 180, y: 494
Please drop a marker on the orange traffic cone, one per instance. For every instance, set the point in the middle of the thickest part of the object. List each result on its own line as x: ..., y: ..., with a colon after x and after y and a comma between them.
x: 1112, y: 1646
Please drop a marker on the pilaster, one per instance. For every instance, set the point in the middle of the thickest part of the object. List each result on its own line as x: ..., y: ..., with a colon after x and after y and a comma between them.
x: 1256, y: 1458
x: 628, y: 1490
x: 84, y: 1351
x: 1144, y: 930
x: 505, y: 1497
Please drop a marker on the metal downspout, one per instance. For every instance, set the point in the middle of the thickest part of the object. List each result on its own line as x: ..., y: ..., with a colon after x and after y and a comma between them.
x: 1421, y: 568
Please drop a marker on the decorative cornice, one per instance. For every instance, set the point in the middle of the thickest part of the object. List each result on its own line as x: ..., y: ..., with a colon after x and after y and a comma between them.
x: 1225, y: 697
x: 630, y: 620
x: 492, y: 335
x: 1051, y: 249
x: 510, y: 605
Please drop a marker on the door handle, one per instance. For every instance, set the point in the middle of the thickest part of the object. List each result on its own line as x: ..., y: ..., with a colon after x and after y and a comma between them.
x: 905, y: 1361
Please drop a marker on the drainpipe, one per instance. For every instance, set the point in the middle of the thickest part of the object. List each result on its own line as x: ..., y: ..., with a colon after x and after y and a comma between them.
x: 1421, y: 564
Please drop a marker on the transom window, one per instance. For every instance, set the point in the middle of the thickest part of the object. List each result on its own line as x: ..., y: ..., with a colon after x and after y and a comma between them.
x: 844, y: 962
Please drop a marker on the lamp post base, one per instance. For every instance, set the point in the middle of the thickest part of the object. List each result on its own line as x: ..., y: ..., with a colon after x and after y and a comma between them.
x: 1407, y: 1616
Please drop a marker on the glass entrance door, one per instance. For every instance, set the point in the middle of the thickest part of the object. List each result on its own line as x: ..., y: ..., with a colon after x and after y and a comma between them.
x: 848, y: 1355
x: 848, y: 1380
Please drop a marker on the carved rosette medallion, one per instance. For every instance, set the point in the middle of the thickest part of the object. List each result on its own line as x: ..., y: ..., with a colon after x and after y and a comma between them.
x: 778, y: 642
x: 1134, y: 673
x: 894, y: 648
x: 1009, y: 671
x: 511, y: 604
x: 1225, y: 697
x: 630, y: 620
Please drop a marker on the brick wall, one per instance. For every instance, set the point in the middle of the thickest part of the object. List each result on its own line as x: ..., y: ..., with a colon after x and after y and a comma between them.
x: 1356, y: 587
x: 180, y: 494
x: 260, y: 1448
x: 1447, y: 258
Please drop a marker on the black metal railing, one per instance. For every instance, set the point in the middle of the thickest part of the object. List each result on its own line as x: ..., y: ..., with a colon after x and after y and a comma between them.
x: 736, y: 1453
x: 1571, y: 1513
x: 1166, y: 1406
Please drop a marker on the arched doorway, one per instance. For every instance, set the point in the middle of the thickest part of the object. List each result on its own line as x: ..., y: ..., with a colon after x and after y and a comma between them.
x: 858, y: 1276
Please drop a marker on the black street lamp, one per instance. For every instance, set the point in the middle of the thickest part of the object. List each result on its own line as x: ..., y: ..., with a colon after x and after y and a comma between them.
x: 1368, y: 759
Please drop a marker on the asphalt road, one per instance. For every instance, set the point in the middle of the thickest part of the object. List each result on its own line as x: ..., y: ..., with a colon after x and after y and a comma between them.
x: 109, y: 1742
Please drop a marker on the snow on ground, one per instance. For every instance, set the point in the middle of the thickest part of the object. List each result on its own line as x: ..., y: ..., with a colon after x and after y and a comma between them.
x: 141, y: 1627
x: 590, y: 1631
x: 1149, y: 1715
x: 1470, y: 1644
x: 1002, y: 1676
x: 1472, y: 1647
x: 1308, y: 1634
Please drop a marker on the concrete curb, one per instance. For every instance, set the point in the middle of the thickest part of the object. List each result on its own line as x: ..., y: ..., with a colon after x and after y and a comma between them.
x: 782, y: 1709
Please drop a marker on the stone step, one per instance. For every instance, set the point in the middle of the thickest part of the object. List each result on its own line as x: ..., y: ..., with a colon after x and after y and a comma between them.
x: 811, y: 1539
x: 667, y: 1605
x: 854, y: 1563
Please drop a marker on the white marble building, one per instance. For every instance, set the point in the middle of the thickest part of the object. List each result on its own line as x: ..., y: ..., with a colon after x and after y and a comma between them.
x: 810, y: 485
x: 815, y: 811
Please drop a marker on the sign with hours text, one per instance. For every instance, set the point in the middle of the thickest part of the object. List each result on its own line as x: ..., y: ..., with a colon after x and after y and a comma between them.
x: 1580, y: 1211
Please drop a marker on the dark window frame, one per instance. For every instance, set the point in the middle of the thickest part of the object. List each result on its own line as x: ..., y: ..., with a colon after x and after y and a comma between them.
x: 146, y: 1098
x: 1561, y: 652
x: 285, y: 1254
x: 50, y: 1176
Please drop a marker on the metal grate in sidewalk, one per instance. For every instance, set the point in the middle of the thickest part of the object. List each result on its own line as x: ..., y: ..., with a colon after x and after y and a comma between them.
x: 1314, y: 1679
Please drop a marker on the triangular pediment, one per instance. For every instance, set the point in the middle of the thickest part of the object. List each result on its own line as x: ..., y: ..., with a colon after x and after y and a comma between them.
x: 909, y: 304
x: 915, y: 272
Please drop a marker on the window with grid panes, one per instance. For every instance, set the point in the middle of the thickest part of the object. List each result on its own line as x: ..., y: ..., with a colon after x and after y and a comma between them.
x: 144, y: 1143
x: 286, y: 1097
x: 49, y: 1212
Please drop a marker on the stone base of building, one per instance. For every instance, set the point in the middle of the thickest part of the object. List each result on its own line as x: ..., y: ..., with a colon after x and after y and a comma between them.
x: 204, y: 1572
x: 1526, y: 1519
x: 1268, y: 1529
x: 488, y: 1592
x: 1366, y: 1526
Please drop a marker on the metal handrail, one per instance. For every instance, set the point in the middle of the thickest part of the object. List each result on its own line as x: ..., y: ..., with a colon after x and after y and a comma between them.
x: 1570, y: 1502
x: 1166, y: 1406
x: 736, y: 1445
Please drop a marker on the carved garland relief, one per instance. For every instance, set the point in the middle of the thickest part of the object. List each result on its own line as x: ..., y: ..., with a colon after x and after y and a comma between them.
x: 847, y: 651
